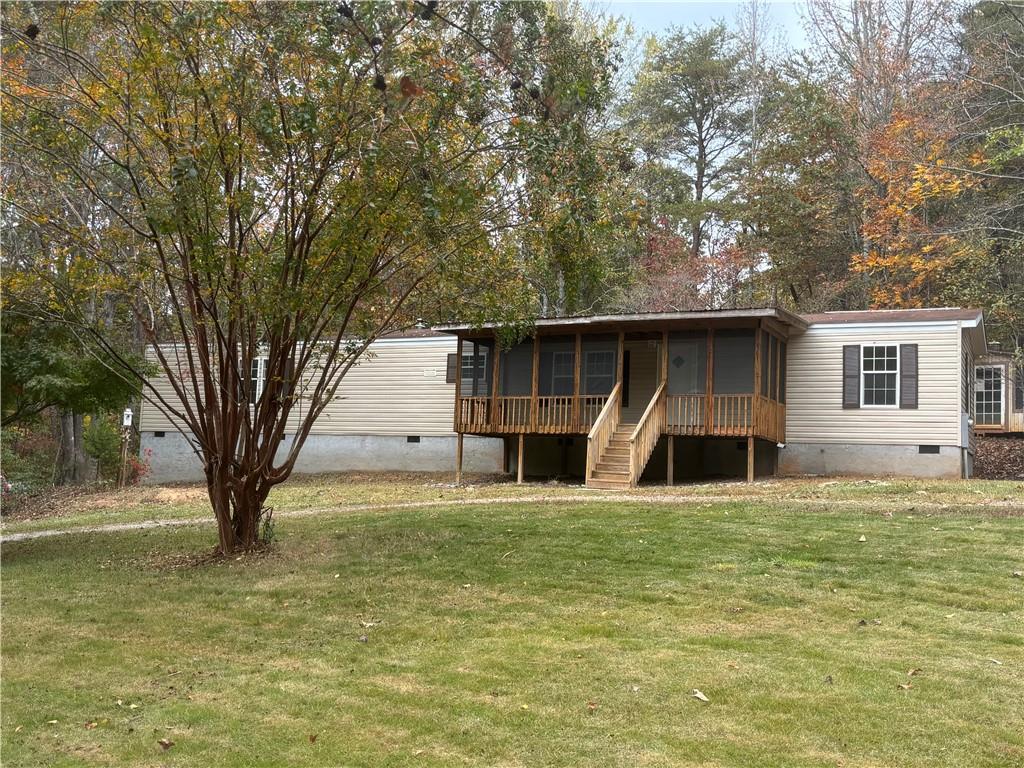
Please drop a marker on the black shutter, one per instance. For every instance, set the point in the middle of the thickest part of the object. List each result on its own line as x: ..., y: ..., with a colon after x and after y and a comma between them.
x: 453, y: 368
x: 1018, y: 388
x: 851, y: 376
x: 908, y: 375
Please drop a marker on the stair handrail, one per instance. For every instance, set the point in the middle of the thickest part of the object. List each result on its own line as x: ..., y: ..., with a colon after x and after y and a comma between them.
x: 647, y: 433
x: 605, y: 424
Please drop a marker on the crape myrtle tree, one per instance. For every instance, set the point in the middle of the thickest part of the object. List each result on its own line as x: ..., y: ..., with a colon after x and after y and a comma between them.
x: 282, y: 182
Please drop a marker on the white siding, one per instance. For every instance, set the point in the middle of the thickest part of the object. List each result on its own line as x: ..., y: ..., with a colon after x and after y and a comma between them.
x: 398, y: 389
x: 814, y: 385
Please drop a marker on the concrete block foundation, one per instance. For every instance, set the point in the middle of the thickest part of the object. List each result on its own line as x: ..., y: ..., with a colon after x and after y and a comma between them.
x: 172, y: 460
x: 871, y: 460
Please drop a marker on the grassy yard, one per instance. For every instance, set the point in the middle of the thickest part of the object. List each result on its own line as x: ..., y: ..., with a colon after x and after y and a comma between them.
x: 566, y: 634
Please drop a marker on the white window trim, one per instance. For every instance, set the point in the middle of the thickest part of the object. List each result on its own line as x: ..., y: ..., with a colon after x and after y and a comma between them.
x: 261, y: 377
x: 899, y: 373
x: 1002, y: 395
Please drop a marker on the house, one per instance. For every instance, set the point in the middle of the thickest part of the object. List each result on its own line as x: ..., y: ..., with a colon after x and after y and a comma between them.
x: 999, y: 393
x: 657, y: 397
x: 618, y: 399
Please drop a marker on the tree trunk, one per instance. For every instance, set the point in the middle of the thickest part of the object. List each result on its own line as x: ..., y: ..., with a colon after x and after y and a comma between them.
x: 65, y: 471
x: 238, y: 514
x: 84, y: 469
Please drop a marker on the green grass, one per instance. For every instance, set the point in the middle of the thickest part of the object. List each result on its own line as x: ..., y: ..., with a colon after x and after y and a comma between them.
x: 323, y: 491
x: 527, y: 634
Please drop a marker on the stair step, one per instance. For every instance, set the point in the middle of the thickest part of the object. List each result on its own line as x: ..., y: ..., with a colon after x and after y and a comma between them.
x: 611, y: 485
x: 612, y: 471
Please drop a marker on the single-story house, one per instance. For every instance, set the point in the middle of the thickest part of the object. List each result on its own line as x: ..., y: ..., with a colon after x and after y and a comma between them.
x: 655, y: 397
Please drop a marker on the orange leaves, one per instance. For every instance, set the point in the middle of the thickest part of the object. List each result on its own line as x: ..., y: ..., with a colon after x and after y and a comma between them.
x: 914, y: 182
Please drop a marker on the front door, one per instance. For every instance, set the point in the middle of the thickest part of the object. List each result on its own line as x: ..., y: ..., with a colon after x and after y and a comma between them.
x: 640, y: 377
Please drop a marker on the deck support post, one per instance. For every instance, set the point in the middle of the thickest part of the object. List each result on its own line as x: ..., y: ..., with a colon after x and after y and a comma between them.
x: 458, y: 385
x: 519, y: 459
x: 671, y: 458
x: 458, y: 459
x: 750, y: 459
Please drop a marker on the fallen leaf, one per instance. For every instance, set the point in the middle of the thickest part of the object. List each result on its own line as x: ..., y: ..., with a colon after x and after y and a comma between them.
x: 18, y: 729
x: 996, y: 661
x: 914, y: 671
x: 165, y: 744
x: 591, y: 705
x: 905, y: 686
x: 1018, y: 574
x: 52, y: 722
x: 862, y: 538
x: 699, y: 696
x: 90, y: 726
x: 364, y: 639
x: 312, y: 738
x: 828, y: 679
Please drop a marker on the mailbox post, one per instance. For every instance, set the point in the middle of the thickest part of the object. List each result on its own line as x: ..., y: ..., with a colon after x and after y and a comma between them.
x: 126, y: 430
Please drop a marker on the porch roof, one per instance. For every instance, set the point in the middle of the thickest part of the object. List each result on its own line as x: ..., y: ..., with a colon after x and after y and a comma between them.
x: 648, y: 321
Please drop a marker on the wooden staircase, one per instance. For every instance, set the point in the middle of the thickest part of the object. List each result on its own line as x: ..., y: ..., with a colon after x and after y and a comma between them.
x: 612, y: 468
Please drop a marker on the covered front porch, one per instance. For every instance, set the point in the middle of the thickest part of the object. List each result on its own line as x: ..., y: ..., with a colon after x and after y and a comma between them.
x: 624, y: 381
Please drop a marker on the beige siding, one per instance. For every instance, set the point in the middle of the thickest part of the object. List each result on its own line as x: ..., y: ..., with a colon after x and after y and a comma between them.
x: 398, y: 389
x: 643, y: 377
x: 814, y: 383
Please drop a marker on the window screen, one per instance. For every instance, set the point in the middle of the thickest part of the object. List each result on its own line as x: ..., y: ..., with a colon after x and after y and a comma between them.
x: 599, y: 364
x: 687, y: 363
x: 734, y: 363
x: 557, y: 365
x: 880, y: 372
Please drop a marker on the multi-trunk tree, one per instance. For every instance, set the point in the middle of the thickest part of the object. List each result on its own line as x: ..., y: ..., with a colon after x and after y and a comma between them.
x: 278, y: 185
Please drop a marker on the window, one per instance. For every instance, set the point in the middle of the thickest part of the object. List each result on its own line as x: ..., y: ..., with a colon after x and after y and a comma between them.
x: 257, y: 378
x: 880, y: 371
x: 988, y: 394
x: 1018, y: 389
x: 474, y: 385
x: 598, y: 371
x: 563, y: 372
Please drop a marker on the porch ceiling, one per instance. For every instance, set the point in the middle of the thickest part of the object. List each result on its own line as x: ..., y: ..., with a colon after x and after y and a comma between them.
x: 647, y: 321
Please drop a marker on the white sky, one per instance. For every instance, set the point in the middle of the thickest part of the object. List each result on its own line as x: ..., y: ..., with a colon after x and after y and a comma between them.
x: 653, y: 16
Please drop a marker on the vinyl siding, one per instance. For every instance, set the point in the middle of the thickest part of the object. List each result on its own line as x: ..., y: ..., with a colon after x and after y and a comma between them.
x: 814, y: 380
x: 397, y: 389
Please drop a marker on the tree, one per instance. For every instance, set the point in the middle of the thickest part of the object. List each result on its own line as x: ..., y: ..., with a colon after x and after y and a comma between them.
x: 689, y: 111
x: 280, y: 183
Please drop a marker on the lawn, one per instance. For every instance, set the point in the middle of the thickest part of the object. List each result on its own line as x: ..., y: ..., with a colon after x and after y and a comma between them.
x: 559, y: 633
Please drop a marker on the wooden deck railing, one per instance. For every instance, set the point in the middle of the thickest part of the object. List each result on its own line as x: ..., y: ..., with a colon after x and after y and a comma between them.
x: 688, y: 415
x: 604, y: 426
x: 646, y: 435
x: 725, y: 416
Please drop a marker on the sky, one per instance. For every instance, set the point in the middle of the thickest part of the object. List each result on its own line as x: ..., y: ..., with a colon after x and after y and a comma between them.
x: 654, y: 16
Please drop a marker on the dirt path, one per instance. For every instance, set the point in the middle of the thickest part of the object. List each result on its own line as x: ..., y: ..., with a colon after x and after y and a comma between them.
x: 883, y: 505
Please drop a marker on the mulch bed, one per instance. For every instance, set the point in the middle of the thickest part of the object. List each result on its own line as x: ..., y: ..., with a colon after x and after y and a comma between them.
x: 999, y: 457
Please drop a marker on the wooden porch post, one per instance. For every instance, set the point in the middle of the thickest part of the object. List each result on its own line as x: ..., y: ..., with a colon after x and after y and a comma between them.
x: 709, y: 399
x: 664, y: 357
x: 534, y: 384
x: 619, y: 362
x: 750, y: 459
x: 671, y: 457
x: 755, y: 409
x: 495, y: 372
x: 458, y: 459
x: 458, y: 386
x: 519, y: 458
x: 576, y: 415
